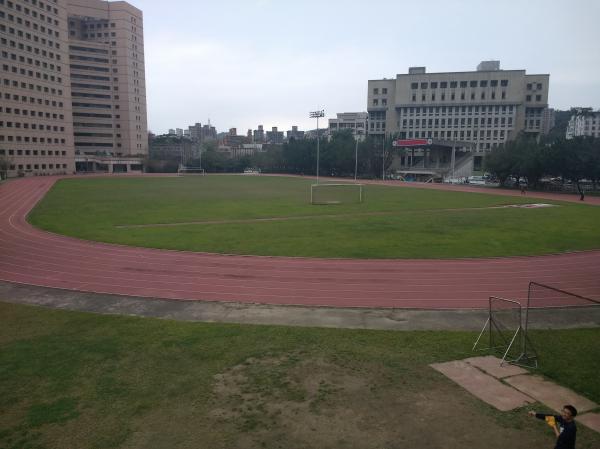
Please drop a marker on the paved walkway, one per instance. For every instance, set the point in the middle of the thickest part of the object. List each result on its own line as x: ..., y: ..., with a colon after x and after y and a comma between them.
x: 510, y: 387
x: 333, y: 317
x: 31, y: 256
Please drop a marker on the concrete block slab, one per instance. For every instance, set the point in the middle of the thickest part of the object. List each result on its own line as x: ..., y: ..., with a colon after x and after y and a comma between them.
x: 549, y: 393
x: 482, y: 385
x: 491, y: 365
x: 591, y: 420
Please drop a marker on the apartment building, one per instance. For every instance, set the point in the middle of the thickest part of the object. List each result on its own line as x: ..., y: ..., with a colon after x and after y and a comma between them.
x: 356, y: 122
x: 583, y: 122
x: 36, y: 131
x: 106, y: 56
x: 480, y: 109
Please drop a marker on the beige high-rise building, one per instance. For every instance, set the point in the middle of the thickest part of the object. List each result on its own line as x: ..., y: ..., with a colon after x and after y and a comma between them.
x: 106, y: 50
x: 73, y: 86
x: 475, y: 110
x: 36, y: 131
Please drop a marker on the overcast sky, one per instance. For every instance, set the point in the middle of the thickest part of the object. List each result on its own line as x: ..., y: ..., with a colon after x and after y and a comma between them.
x: 270, y: 62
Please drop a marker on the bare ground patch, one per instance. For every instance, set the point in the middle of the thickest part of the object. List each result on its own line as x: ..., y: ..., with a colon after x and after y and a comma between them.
x: 300, y: 402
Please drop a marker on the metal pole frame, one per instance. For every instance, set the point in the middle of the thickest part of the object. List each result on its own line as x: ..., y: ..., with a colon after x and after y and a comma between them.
x: 356, y: 159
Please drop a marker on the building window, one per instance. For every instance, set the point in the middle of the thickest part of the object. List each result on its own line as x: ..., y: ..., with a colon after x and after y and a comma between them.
x: 538, y: 98
x: 483, y: 83
x: 414, y: 85
x: 414, y: 97
x: 494, y: 83
x: 434, y: 85
x: 384, y: 90
x: 473, y: 84
x: 375, y: 91
x: 423, y: 85
x: 539, y: 86
x: 463, y: 84
x: 453, y: 84
x: 528, y: 98
x: 375, y: 102
x: 529, y: 86
x: 443, y: 84
x: 504, y: 83
x: 383, y: 102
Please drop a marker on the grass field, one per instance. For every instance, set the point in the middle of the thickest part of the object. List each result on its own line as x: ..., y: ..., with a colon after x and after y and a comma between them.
x: 70, y: 379
x: 223, y: 215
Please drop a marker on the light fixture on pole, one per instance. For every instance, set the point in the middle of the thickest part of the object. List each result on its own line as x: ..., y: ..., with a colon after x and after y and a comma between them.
x: 317, y: 114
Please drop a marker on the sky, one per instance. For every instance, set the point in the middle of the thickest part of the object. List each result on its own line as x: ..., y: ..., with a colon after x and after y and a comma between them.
x: 270, y: 62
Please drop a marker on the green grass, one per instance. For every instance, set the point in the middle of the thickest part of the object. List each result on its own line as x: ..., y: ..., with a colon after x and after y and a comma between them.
x: 70, y: 379
x: 391, y: 223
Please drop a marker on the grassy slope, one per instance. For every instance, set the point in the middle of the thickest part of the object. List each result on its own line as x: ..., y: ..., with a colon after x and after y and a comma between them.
x: 72, y: 379
x: 414, y: 226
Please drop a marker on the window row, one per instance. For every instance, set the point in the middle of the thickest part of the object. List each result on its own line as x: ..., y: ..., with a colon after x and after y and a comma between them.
x: 537, y: 98
x: 29, y: 36
x: 22, y: 85
x: 34, y: 62
x: 31, y: 113
x: 462, y: 96
x: 455, y: 84
x: 31, y: 73
x: 31, y: 49
x: 28, y: 139
x: 460, y: 135
x: 455, y: 123
x: 32, y: 152
x: 43, y: 6
x: 462, y: 110
x: 27, y: 23
x: 32, y: 100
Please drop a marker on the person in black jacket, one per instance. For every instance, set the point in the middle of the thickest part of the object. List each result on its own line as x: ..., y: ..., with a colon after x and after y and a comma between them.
x: 563, y: 425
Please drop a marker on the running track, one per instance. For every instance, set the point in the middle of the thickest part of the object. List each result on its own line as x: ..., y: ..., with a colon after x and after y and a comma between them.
x: 32, y: 256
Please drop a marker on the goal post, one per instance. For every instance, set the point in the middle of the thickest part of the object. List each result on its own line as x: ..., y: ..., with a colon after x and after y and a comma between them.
x: 186, y: 171
x: 338, y: 193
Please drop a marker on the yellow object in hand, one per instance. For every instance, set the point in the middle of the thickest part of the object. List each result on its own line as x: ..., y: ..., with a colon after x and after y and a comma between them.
x: 551, y: 421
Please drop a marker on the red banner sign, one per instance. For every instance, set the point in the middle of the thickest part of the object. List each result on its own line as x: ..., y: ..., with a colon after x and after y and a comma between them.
x: 411, y: 142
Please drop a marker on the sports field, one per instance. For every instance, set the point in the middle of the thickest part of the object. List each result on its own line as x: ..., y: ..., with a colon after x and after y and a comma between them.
x: 272, y: 216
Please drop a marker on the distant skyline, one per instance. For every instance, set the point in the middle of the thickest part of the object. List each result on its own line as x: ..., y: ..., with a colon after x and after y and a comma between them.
x: 267, y: 62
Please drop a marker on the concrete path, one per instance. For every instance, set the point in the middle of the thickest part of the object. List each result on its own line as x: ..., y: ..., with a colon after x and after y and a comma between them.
x: 483, y: 386
x: 546, y: 392
x: 229, y: 312
x: 491, y: 365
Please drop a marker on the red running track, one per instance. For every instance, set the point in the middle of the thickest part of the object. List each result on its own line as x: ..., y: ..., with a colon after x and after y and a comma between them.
x: 32, y: 256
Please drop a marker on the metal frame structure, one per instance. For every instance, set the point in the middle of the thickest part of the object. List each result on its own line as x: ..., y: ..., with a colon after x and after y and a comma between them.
x: 181, y: 171
x: 528, y: 356
x: 313, y: 186
x: 317, y: 115
x: 491, y: 324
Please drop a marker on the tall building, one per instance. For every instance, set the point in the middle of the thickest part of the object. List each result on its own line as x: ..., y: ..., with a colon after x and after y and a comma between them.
x: 106, y: 52
x: 476, y: 110
x: 258, y: 136
x: 73, y: 86
x: 274, y: 136
x: 356, y: 122
x: 294, y: 133
x: 36, y: 128
x: 583, y: 122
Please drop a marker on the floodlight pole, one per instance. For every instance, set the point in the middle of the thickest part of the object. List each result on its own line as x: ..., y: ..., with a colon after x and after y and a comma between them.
x: 383, y: 158
x: 317, y: 114
x: 356, y: 158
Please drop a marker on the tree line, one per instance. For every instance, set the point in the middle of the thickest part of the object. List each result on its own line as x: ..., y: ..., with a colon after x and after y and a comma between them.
x: 336, y: 157
x: 575, y: 160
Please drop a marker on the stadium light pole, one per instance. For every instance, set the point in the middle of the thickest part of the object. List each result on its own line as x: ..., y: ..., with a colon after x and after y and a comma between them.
x: 317, y: 114
x: 383, y: 158
x: 356, y: 157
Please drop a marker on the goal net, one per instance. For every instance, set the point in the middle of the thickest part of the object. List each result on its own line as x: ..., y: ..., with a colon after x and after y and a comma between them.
x: 185, y: 171
x: 336, y: 193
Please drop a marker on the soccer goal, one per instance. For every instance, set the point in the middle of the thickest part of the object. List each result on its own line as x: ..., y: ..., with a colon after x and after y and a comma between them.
x: 186, y: 171
x: 336, y: 193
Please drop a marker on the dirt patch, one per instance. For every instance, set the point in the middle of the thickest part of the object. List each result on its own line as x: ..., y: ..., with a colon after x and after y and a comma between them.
x: 301, y: 402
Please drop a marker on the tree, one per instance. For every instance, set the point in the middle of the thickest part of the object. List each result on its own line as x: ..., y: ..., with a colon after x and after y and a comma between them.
x: 4, y: 166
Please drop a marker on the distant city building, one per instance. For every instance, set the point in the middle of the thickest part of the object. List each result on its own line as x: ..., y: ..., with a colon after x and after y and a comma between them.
x: 179, y: 132
x: 295, y: 134
x: 208, y: 132
x: 583, y: 122
x: 274, y: 136
x: 259, y: 135
x: 232, y: 139
x: 356, y: 122
x: 548, y: 120
x: 475, y: 110
x: 171, y: 131
x: 175, y: 148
